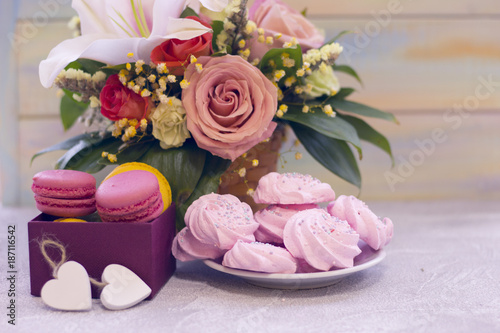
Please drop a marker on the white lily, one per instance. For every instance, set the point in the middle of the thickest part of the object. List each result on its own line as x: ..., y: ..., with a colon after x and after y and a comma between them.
x: 213, y: 5
x: 113, y: 29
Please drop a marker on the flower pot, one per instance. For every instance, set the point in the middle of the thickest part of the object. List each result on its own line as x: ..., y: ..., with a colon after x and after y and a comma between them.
x: 267, y: 154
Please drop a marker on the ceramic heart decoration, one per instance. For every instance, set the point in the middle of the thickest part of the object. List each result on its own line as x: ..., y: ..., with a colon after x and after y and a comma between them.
x: 70, y: 291
x: 124, y: 288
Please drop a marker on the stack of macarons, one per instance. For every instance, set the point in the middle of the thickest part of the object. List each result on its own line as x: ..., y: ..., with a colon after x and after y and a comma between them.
x: 293, y: 234
x: 132, y: 192
x: 64, y: 193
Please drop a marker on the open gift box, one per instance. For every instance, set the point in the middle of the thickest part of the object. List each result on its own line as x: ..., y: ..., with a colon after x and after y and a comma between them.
x: 144, y: 248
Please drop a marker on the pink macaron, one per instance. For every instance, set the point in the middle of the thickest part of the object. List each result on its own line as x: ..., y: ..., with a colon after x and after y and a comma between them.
x: 132, y: 196
x: 65, y: 193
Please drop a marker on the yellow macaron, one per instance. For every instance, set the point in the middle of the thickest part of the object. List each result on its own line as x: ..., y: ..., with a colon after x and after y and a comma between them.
x: 166, y: 192
x: 69, y: 219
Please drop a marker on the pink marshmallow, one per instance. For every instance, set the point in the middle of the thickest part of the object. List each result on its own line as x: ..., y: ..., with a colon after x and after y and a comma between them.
x: 260, y: 257
x: 292, y: 188
x: 323, y: 241
x: 220, y: 220
x: 375, y: 231
x: 273, y: 219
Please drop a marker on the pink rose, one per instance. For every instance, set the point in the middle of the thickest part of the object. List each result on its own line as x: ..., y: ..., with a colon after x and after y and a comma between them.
x: 117, y: 101
x: 229, y: 105
x: 275, y: 16
x: 176, y: 53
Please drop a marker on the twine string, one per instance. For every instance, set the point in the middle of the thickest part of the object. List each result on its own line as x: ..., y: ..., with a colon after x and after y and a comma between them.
x: 98, y: 284
x: 51, y: 243
x: 56, y: 265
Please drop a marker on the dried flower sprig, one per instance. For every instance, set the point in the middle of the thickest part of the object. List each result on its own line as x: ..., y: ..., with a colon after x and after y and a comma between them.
x: 82, y: 83
x: 237, y: 29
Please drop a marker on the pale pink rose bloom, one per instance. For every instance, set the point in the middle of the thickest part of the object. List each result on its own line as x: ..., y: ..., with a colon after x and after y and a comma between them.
x: 229, y: 105
x: 275, y: 16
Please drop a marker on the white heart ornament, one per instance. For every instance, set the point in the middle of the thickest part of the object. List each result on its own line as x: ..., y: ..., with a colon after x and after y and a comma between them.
x: 70, y: 291
x: 124, y: 288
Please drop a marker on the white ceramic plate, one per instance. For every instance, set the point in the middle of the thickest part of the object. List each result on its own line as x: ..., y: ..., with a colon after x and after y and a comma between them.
x: 366, y: 259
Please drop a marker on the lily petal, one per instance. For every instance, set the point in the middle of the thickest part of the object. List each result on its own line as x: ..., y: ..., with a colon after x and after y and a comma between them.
x: 162, y: 10
x: 93, y: 16
x: 213, y: 5
x: 185, y: 28
x: 97, y: 16
x: 111, y: 50
x: 63, y: 54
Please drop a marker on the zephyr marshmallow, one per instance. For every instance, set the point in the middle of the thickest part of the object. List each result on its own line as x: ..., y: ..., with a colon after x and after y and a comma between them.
x: 220, y: 220
x: 260, y: 257
x: 187, y: 248
x: 322, y: 240
x: 373, y: 230
x: 292, y: 189
x: 273, y: 219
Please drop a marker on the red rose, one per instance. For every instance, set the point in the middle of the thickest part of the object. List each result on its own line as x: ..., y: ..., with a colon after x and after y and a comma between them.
x: 176, y: 53
x: 117, y: 101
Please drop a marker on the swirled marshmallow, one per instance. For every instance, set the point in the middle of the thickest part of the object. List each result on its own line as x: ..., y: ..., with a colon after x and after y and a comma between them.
x: 260, y: 257
x: 373, y: 230
x: 220, y: 220
x: 323, y: 241
x: 292, y: 188
x: 273, y: 219
x: 187, y: 248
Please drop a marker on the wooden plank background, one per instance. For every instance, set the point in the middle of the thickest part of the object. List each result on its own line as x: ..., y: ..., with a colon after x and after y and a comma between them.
x: 423, y: 63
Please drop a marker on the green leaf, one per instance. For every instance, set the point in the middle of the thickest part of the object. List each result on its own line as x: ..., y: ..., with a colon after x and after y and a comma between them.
x: 369, y: 134
x: 219, y: 54
x: 344, y: 92
x: 209, y: 182
x: 335, y: 155
x: 188, y: 12
x: 335, y: 128
x: 86, y: 65
x: 361, y: 109
x: 349, y: 71
x: 340, y: 34
x: 217, y: 27
x: 131, y: 153
x: 110, y: 70
x: 304, y: 12
x: 91, y: 66
x: 65, y: 145
x: 86, y: 154
x: 275, y: 56
x: 74, y: 64
x: 181, y: 166
x: 70, y: 110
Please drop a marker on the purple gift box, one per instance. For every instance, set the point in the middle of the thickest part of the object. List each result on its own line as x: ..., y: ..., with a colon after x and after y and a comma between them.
x: 144, y: 248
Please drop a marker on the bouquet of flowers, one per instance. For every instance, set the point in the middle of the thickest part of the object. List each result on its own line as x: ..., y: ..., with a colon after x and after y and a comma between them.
x: 188, y: 86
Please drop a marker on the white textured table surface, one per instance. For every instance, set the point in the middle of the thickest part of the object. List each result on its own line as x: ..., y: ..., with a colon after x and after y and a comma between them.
x: 441, y: 274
